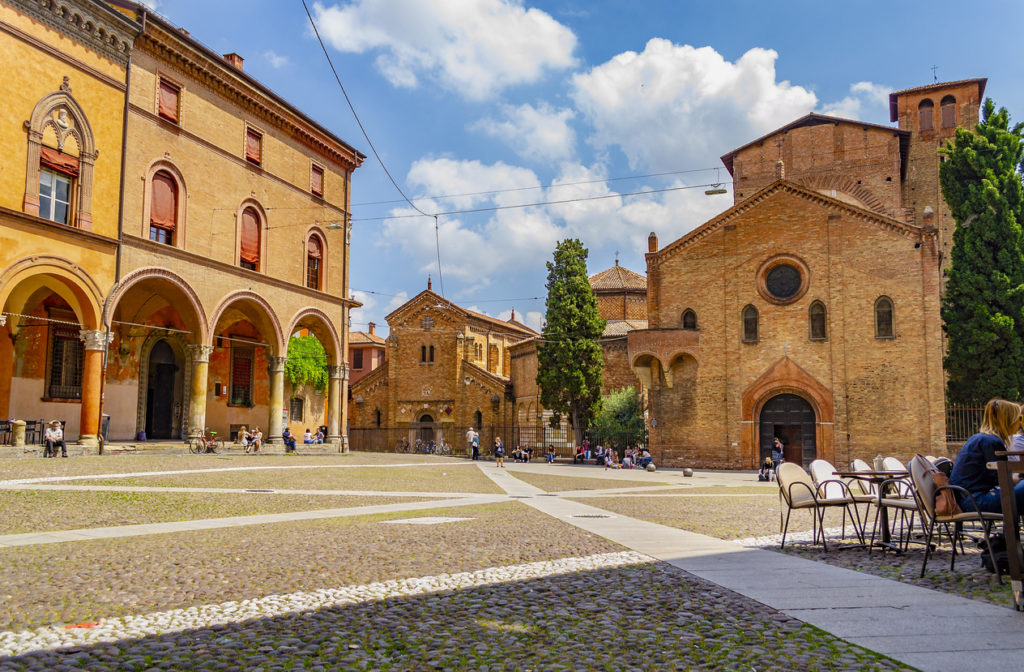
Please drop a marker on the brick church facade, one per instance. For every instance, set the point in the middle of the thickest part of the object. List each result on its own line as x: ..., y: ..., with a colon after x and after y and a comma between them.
x: 810, y: 309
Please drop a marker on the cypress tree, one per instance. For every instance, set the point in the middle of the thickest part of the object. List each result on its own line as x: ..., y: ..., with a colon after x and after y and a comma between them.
x: 983, y: 308
x: 569, y: 360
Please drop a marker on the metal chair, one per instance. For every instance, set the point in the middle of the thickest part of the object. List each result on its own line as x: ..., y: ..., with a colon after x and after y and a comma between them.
x: 798, y: 491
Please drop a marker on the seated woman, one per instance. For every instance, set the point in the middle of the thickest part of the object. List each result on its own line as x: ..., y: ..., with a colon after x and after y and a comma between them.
x: 551, y: 454
x: 627, y: 459
x: 244, y: 438
x: 766, y: 469
x: 999, y: 423
x: 308, y: 436
x: 256, y: 439
x: 579, y: 456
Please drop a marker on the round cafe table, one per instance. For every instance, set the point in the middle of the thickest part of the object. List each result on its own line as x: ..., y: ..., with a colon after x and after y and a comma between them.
x: 876, y: 478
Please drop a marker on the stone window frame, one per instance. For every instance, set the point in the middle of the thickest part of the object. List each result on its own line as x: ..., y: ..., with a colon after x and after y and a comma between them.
x: 147, y: 200
x: 892, y: 318
x: 757, y: 324
x: 926, y: 104
x: 689, y: 312
x: 81, y: 187
x: 779, y: 260
x: 817, y: 303
x: 162, y: 76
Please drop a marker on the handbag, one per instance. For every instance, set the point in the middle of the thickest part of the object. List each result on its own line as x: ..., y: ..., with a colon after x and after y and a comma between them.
x: 946, y: 505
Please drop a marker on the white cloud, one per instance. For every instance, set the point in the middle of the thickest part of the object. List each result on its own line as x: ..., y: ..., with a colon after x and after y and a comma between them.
x: 277, y: 62
x: 474, y: 49
x: 673, y: 106
x: 539, y: 133
x: 866, y: 100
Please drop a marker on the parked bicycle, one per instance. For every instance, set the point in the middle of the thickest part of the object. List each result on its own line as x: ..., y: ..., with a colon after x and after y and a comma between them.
x: 206, y: 442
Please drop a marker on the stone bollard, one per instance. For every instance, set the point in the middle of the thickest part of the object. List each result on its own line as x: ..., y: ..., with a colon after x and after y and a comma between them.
x: 18, y: 434
x: 687, y: 472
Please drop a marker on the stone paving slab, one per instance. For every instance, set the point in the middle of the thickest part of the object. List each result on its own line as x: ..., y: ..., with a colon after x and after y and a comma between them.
x: 877, y: 612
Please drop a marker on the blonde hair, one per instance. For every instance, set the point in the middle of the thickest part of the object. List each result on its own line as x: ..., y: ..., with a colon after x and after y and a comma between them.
x: 1002, y: 418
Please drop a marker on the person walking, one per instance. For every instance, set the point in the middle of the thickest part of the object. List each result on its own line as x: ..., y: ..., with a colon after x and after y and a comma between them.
x: 499, y: 453
x: 469, y: 442
x: 777, y: 452
x: 475, y: 443
x: 53, y: 437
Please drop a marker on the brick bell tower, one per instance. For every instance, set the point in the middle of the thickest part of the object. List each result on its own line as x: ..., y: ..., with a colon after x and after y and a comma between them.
x: 932, y: 113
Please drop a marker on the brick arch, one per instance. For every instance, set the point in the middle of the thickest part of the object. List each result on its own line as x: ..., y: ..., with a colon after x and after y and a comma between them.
x: 787, y: 377
x: 242, y: 295
x: 150, y: 272
x: 333, y: 346
x: 65, y: 278
x: 847, y: 186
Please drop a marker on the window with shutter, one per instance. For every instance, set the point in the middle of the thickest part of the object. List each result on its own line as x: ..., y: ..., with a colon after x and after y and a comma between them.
x: 163, y: 208
x: 253, y: 146
x: 314, y: 257
x: 241, y: 375
x: 249, y: 251
x: 926, y: 115
x: 357, y: 359
x: 948, y: 112
x: 316, y: 181
x: 169, y: 101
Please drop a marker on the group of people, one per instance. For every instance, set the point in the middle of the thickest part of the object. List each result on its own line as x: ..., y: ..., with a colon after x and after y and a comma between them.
x: 771, y: 462
x: 313, y: 437
x: 633, y: 456
x: 252, y: 441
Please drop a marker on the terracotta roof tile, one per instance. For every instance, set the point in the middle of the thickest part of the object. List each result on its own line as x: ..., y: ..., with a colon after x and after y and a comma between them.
x: 618, y: 277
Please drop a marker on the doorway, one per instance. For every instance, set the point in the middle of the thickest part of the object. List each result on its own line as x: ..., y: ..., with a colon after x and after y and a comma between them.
x: 792, y: 419
x: 161, y: 392
x: 426, y: 428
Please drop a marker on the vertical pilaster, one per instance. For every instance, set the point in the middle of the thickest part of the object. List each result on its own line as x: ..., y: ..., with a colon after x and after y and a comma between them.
x: 197, y: 399
x: 92, y: 372
x: 343, y: 407
x: 275, y: 367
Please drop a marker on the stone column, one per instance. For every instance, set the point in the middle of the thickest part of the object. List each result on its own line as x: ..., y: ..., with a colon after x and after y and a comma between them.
x: 275, y: 368
x: 197, y: 397
x: 92, y: 374
x: 337, y: 373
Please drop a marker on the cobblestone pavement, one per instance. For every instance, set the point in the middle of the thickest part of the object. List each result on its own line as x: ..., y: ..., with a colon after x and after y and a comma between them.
x: 495, y: 587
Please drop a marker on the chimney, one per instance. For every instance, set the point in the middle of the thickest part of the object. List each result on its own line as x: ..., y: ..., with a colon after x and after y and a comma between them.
x: 652, y: 242
x: 373, y: 328
x: 234, y: 59
x: 428, y: 282
x: 780, y: 169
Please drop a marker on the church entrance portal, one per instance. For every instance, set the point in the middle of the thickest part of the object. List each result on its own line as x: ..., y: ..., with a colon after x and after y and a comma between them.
x: 790, y: 418
x: 426, y: 429
x: 161, y: 392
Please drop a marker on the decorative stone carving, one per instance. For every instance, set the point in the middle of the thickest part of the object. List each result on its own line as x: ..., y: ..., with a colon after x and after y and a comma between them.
x: 200, y: 353
x: 275, y: 364
x: 105, y: 31
x: 339, y: 372
x: 3, y: 320
x: 95, y: 339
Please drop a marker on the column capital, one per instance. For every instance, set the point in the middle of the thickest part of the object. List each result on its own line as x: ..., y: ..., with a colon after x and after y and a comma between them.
x: 275, y: 364
x: 3, y: 320
x: 95, y: 339
x: 200, y: 353
x: 339, y: 372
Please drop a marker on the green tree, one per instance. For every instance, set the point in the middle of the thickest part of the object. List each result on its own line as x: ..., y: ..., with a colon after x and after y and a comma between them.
x: 620, y: 422
x: 307, y: 363
x: 983, y: 308
x: 569, y: 358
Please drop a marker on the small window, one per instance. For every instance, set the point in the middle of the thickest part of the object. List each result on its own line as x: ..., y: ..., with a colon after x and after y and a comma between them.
x: 54, y: 196
x: 66, y: 363
x: 163, y: 208
x: 816, y: 318
x: 478, y: 420
x: 249, y: 250
x: 750, y: 325
x: 169, y: 102
x: 357, y: 359
x: 295, y: 410
x: 423, y: 353
x: 431, y: 354
x: 253, y: 147
x: 947, y: 110
x: 314, y: 258
x: 689, y: 319
x: 926, y: 116
x: 883, y: 318
x: 376, y: 417
x: 316, y: 180
x: 241, y: 375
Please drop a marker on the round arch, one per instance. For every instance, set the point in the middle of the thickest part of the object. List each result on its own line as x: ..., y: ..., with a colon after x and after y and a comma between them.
x: 158, y: 276
x: 264, y: 318
x: 69, y: 281
x: 320, y: 325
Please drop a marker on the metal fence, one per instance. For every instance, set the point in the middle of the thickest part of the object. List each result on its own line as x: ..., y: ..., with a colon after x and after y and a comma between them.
x: 962, y: 421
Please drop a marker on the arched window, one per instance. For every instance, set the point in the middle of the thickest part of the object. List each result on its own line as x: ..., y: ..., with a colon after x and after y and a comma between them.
x: 478, y: 420
x: 431, y: 354
x: 163, y: 208
x: 926, y: 115
x: 689, y: 319
x: 750, y: 325
x: 947, y: 110
x: 314, y: 259
x: 423, y: 353
x: 816, y: 320
x: 376, y: 417
x: 249, y: 251
x: 883, y: 318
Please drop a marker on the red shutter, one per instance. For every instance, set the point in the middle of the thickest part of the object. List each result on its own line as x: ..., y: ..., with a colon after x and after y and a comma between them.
x: 250, y: 248
x: 57, y: 160
x: 316, y: 181
x: 163, y: 210
x: 252, y: 146
x: 168, y: 106
x: 313, y: 250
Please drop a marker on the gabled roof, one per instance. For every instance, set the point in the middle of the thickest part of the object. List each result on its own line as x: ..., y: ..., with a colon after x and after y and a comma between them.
x: 487, y: 376
x: 617, y: 278
x: 441, y: 302
x: 778, y: 186
x: 814, y: 119
x: 894, y: 113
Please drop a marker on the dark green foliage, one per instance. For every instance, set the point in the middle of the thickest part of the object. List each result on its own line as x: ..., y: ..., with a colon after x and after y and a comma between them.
x: 983, y: 309
x: 620, y: 422
x: 569, y: 359
x: 307, y: 363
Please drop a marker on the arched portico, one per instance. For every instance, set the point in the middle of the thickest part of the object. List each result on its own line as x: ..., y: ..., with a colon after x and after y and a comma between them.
x: 319, y: 325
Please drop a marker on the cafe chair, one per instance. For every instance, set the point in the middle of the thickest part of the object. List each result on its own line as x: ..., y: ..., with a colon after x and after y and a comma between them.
x: 798, y: 491
x: 831, y: 487
x: 921, y: 471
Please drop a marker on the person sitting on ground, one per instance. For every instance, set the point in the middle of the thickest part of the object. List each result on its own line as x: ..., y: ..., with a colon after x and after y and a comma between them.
x: 645, y: 459
x: 551, y: 454
x: 307, y: 438
x: 627, y: 458
x: 599, y: 455
x: 289, y: 440
x: 578, y: 457
x: 611, y: 460
x: 517, y: 454
x: 256, y: 439
x: 1000, y: 421
x: 53, y: 437
x: 766, y: 469
x: 527, y: 453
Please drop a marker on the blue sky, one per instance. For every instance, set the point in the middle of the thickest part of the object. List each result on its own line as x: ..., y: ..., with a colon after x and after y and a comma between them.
x: 544, y: 101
